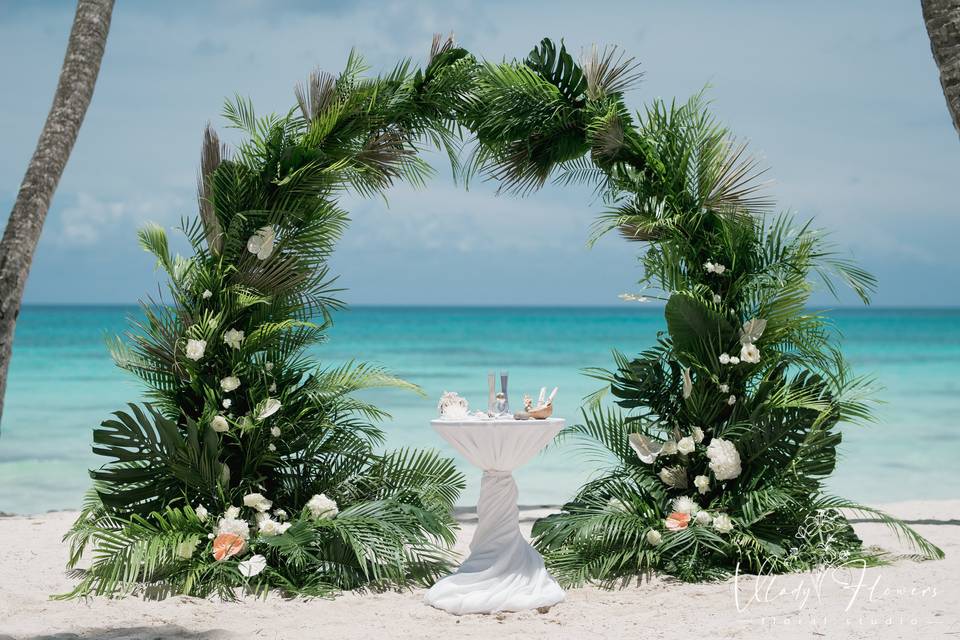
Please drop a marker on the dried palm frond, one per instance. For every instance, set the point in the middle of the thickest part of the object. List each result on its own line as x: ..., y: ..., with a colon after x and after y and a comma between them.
x: 440, y: 45
x: 212, y: 153
x: 609, y: 71
x: 735, y: 183
x: 318, y: 94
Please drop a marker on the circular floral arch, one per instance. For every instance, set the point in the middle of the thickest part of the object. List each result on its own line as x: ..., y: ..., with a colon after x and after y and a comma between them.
x: 253, y: 466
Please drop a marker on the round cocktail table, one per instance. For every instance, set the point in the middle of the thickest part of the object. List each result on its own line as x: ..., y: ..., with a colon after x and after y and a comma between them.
x: 503, y: 572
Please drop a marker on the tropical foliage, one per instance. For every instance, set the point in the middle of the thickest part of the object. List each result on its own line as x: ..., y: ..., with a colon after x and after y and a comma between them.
x: 721, y: 435
x: 250, y: 466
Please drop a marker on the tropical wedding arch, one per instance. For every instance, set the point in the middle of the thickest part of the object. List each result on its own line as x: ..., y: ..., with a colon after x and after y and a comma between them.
x: 251, y: 467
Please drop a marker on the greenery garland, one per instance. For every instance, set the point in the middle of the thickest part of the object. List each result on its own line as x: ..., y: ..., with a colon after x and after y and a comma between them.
x: 250, y: 468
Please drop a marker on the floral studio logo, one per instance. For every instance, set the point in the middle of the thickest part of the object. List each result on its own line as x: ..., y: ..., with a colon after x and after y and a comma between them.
x: 843, y: 589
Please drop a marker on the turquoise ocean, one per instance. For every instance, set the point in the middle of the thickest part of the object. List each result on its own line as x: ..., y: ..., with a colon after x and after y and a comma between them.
x: 62, y: 383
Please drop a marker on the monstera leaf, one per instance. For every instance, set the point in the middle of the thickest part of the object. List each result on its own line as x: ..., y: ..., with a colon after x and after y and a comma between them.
x: 699, y: 333
x: 153, y: 461
x: 559, y: 69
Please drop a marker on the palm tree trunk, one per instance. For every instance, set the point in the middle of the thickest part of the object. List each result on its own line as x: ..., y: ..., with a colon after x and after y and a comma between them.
x: 88, y: 38
x: 943, y: 27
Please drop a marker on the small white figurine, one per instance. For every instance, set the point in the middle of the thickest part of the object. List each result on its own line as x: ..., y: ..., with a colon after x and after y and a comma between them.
x: 452, y: 406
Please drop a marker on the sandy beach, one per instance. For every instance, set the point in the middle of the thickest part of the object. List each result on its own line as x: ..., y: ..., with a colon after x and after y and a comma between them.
x: 904, y: 600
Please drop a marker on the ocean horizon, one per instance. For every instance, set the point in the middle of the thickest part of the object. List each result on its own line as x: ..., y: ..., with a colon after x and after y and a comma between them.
x: 62, y: 383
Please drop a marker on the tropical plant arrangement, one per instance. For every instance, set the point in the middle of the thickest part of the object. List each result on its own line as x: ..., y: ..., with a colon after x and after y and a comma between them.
x: 723, y: 433
x: 250, y: 468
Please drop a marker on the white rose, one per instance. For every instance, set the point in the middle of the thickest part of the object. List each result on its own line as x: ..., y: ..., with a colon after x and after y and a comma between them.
x: 724, y: 358
x: 697, y: 434
x: 201, y: 512
x: 271, y: 447
x: 321, y: 506
x: 654, y: 537
x: 257, y: 501
x: 219, y: 424
x: 686, y: 445
x: 226, y: 403
x: 683, y: 504
x: 702, y: 483
x: 750, y: 353
x: 233, y: 338
x: 261, y: 243
x: 724, y: 459
x: 195, y: 349
x: 275, y: 432
x: 734, y: 360
x: 732, y: 400
x: 230, y: 383
x: 253, y: 566
x: 723, y: 523
x: 703, y: 518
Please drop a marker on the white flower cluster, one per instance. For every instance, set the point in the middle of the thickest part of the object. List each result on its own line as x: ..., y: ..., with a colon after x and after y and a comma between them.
x: 195, y: 349
x: 726, y: 358
x: 716, y: 268
x: 232, y: 523
x: 724, y: 459
x: 321, y: 506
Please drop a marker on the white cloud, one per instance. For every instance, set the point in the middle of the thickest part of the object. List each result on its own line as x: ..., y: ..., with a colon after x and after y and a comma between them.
x: 90, y: 219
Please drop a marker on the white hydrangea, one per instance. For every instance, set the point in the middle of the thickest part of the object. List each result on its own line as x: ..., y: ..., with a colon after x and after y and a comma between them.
x: 230, y: 383
x: 257, y: 501
x: 269, y: 527
x: 723, y: 523
x: 195, y: 349
x: 702, y: 483
x: 724, y: 459
x: 750, y: 353
x: 654, y: 537
x: 684, y: 504
x: 686, y: 445
x: 219, y: 424
x: 703, y: 518
x: 233, y: 338
x: 321, y: 506
x: 234, y: 525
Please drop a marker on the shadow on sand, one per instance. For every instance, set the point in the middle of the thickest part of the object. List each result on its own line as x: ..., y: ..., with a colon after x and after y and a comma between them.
x: 163, y: 632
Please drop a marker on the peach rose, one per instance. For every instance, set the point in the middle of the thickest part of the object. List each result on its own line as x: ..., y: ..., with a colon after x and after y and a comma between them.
x: 227, y: 545
x: 677, y: 521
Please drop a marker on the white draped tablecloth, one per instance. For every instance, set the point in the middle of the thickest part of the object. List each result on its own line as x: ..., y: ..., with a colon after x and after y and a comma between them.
x: 503, y: 572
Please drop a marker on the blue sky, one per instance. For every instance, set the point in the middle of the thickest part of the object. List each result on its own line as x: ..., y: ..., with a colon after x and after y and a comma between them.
x: 841, y: 100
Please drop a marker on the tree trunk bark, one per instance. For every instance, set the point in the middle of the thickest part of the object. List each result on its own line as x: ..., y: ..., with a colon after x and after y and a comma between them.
x: 943, y: 26
x: 88, y: 38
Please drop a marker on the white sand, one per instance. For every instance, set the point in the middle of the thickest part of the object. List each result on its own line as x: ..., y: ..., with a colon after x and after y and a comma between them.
x: 905, y: 600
